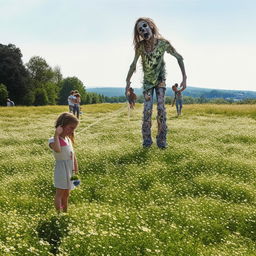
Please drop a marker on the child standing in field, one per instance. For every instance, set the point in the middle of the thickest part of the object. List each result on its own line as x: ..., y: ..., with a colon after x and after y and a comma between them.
x: 177, y: 98
x: 131, y: 97
x: 65, y: 159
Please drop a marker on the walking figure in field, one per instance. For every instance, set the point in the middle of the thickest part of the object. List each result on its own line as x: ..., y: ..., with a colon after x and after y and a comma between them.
x: 131, y: 96
x: 71, y: 99
x: 177, y: 98
x: 65, y: 159
x: 151, y: 46
x: 77, y: 101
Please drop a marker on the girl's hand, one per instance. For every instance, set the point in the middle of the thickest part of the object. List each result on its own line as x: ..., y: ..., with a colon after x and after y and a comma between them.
x: 59, y: 130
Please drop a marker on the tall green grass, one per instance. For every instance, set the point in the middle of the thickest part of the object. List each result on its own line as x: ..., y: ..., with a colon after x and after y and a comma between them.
x: 197, y: 197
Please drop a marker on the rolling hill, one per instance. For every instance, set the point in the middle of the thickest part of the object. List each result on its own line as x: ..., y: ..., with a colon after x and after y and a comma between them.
x: 190, y: 91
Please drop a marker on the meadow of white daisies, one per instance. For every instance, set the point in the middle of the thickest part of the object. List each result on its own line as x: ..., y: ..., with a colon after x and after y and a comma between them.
x: 197, y: 197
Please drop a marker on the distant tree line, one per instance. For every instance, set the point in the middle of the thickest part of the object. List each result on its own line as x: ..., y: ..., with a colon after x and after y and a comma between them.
x: 186, y: 100
x: 36, y: 83
x: 204, y: 100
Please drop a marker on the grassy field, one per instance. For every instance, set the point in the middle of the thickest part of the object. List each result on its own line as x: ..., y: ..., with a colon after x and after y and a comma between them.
x: 198, y: 197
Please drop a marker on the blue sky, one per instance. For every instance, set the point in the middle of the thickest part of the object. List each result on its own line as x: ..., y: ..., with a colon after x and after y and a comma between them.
x: 93, y: 39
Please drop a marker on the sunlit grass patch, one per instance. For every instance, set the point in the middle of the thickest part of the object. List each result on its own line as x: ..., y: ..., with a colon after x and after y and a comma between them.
x: 221, y: 186
x: 195, y: 198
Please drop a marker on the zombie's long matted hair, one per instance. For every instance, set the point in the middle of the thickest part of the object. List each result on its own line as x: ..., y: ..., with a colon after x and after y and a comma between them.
x: 137, y: 38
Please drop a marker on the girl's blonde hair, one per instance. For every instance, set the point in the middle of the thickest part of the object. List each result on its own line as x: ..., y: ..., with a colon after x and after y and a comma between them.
x: 65, y: 119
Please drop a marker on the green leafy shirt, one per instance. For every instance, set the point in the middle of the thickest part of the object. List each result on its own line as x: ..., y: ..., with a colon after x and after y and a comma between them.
x: 153, y: 63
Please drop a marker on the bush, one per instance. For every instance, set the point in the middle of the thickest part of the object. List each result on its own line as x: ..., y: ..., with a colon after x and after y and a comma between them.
x: 40, y: 97
x: 3, y: 94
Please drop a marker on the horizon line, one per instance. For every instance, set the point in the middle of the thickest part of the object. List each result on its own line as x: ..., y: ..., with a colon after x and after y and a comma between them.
x: 94, y: 87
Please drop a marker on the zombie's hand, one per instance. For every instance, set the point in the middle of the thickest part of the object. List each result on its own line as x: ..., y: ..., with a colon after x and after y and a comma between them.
x: 183, y: 84
x: 128, y: 83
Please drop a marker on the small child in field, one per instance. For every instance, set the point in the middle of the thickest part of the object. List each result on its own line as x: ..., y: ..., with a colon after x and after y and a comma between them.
x: 65, y: 159
x: 177, y: 98
x: 131, y: 96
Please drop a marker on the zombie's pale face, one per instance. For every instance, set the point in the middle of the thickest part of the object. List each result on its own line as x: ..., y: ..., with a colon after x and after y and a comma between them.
x: 144, y: 30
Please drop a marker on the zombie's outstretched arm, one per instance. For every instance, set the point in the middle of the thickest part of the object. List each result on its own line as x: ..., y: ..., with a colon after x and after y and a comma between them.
x: 179, y: 58
x: 131, y: 71
x: 182, y: 68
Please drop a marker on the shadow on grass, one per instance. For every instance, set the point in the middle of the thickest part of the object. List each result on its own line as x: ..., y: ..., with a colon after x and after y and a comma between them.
x: 53, y: 230
x: 138, y: 156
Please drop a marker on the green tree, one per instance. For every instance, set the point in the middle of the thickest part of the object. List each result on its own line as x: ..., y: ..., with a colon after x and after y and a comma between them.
x: 40, y: 97
x: 39, y: 71
x: 88, y: 99
x: 44, y: 77
x: 68, y: 84
x: 188, y: 100
x: 13, y: 73
x: 57, y: 76
x: 51, y: 92
x: 3, y: 94
x: 95, y: 98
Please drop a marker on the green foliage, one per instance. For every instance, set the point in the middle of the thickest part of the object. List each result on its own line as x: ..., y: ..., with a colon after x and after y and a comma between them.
x: 247, y: 101
x: 40, y: 72
x: 67, y: 85
x: 52, y: 93
x: 195, y: 198
x: 13, y: 73
x: 3, y: 94
x: 41, y: 97
x: 44, y: 80
x: 29, y: 98
x: 94, y: 98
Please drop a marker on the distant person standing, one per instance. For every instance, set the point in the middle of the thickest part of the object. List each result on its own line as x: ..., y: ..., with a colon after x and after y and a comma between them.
x: 71, y: 99
x: 76, y: 107
x: 177, y: 98
x: 131, y: 97
x: 10, y: 103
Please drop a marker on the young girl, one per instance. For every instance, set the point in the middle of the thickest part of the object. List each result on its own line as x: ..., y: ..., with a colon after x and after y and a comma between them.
x: 151, y: 46
x: 66, y: 163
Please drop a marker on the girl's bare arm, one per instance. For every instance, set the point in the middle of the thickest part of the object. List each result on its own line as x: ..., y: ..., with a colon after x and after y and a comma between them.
x: 75, y: 165
x: 56, y: 144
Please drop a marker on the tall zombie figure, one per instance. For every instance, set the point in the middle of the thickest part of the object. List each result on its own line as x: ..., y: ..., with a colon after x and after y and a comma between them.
x: 151, y: 46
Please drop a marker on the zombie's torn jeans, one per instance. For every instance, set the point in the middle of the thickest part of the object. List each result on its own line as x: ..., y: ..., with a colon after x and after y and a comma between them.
x: 161, y: 117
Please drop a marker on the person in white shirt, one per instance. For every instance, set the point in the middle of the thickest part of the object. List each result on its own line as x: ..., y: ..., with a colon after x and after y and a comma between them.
x: 71, y: 99
x: 10, y: 103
